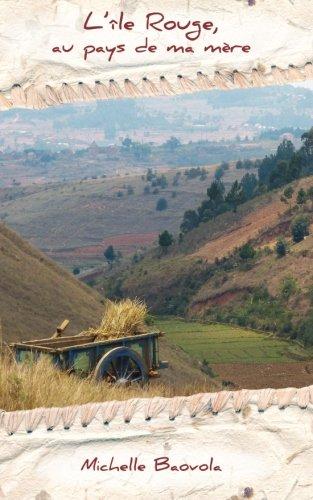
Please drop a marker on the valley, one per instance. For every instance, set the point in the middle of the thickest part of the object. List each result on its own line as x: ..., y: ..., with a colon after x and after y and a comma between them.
x: 200, y: 206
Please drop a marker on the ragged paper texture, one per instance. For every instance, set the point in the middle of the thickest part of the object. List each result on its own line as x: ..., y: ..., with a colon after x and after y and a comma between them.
x: 249, y: 444
x: 68, y: 50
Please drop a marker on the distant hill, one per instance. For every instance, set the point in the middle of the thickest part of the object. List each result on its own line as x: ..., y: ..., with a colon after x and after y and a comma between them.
x: 36, y: 294
x: 74, y: 222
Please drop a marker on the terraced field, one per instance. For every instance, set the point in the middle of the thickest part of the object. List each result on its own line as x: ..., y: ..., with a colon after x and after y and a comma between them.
x: 241, y: 358
x: 217, y: 343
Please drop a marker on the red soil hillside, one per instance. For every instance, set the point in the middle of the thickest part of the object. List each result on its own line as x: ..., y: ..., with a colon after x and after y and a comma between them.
x: 261, y: 220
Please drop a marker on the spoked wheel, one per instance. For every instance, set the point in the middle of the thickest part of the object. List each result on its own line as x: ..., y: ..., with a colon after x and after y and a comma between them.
x: 121, y: 366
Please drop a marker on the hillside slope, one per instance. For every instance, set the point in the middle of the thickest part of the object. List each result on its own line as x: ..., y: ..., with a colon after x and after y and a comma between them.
x: 204, y: 275
x: 36, y: 295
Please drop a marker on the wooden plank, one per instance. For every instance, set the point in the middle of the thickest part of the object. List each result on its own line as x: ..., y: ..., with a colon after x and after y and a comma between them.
x: 24, y: 347
x: 112, y: 342
x: 67, y: 343
x: 60, y: 329
x: 56, y: 341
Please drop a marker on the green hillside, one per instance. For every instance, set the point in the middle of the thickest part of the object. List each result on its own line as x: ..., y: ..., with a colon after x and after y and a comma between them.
x: 204, y: 276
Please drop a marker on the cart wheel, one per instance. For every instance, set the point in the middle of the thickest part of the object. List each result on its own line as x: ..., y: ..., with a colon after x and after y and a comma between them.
x: 121, y: 366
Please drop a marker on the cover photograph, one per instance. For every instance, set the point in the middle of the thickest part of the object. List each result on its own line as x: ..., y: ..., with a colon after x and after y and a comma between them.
x: 156, y: 249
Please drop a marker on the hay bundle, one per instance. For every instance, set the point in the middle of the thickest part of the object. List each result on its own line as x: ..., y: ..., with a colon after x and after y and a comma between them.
x: 121, y: 319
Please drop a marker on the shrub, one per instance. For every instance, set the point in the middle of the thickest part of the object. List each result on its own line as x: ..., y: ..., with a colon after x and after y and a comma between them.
x: 247, y: 252
x: 281, y: 247
x: 288, y: 287
x: 288, y: 192
x: 300, y: 228
x: 161, y: 204
x: 301, y: 197
x: 165, y: 240
x: 110, y: 254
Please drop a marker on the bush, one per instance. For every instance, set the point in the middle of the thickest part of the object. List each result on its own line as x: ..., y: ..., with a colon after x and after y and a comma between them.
x: 300, y: 228
x: 301, y: 197
x: 161, y: 204
x: 247, y: 252
x: 165, y: 240
x: 288, y: 287
x: 281, y: 247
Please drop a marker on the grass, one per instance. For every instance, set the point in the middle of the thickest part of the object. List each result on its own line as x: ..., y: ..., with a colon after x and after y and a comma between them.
x: 27, y: 386
x: 36, y: 295
x: 219, y: 343
x: 121, y: 319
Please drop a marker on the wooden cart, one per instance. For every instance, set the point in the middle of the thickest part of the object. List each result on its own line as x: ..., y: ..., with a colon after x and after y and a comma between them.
x: 123, y: 360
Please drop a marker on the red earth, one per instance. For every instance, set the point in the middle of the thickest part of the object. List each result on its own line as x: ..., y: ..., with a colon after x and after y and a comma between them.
x: 126, y: 243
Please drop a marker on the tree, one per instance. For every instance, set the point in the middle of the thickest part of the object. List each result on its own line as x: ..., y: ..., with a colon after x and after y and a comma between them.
x: 141, y: 151
x: 235, y: 196
x: 307, y: 139
x: 281, y: 247
x: 239, y: 165
x: 219, y: 172
x: 165, y: 240
x: 300, y: 228
x: 162, y: 181
x: 249, y: 184
x: 285, y: 150
x: 172, y: 143
x: 76, y: 271
x: 190, y: 221
x: 310, y: 195
x: 216, y: 192
x: 150, y: 175
x: 288, y: 192
x: 161, y: 204
x: 127, y: 142
x: 247, y: 252
x: 287, y: 195
x: 301, y: 197
x: 109, y: 254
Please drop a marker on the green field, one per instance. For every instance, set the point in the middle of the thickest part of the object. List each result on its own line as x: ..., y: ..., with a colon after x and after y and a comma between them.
x: 217, y: 343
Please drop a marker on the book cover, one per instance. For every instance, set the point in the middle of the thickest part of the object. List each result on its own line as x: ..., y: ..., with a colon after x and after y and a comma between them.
x: 156, y: 278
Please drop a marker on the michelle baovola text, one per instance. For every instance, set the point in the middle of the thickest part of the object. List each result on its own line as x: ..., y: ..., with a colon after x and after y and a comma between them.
x: 158, y: 464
